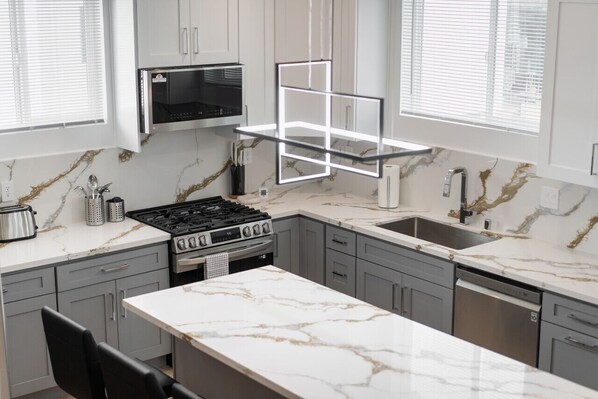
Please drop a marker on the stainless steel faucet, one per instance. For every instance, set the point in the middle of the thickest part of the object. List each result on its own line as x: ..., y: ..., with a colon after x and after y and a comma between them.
x: 464, y: 213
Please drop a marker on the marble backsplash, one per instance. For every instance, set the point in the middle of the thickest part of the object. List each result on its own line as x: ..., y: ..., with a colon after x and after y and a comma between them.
x: 174, y: 167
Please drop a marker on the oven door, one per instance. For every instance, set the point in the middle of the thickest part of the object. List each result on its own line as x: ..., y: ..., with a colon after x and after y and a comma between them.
x: 188, y: 268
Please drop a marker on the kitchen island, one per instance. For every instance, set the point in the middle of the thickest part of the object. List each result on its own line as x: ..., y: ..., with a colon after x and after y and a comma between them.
x: 294, y: 338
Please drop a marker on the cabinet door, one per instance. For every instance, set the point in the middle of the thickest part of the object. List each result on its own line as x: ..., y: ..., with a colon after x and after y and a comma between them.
x: 568, y: 354
x: 136, y: 337
x: 569, y: 122
x: 95, y: 308
x: 214, y: 29
x: 286, y: 244
x: 163, y: 33
x: 311, y: 250
x: 29, y: 366
x: 291, y: 27
x: 379, y: 286
x: 340, y: 272
x: 428, y: 303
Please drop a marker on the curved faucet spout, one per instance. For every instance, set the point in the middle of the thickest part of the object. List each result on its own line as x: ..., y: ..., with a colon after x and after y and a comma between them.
x: 463, y: 212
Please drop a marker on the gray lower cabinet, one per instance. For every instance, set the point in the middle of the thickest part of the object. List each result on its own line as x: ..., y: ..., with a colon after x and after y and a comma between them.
x: 99, y: 307
x: 569, y: 339
x: 406, y: 282
x: 28, y: 360
x: 91, y: 292
x: 340, y: 272
x: 311, y: 250
x: 286, y: 244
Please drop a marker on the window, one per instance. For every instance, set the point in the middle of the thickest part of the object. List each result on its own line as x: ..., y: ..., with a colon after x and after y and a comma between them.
x: 475, y: 62
x: 52, y: 66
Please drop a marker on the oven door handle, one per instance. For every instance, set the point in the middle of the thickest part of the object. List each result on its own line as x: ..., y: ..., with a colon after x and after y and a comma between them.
x: 232, y: 256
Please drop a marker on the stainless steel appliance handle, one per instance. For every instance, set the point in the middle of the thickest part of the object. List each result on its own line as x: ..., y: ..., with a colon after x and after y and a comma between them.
x: 196, y: 40
x: 234, y: 255
x: 592, y: 172
x: 123, y: 295
x: 573, y: 316
x: 582, y: 344
x: 185, y: 41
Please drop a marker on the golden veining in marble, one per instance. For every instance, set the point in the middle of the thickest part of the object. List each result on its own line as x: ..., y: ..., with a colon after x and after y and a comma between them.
x: 581, y: 234
x: 126, y: 155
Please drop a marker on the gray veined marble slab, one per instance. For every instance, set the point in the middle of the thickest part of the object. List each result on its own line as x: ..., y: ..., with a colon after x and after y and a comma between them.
x: 304, y: 340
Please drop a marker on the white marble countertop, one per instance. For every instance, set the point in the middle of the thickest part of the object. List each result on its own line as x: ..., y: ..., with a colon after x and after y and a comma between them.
x: 558, y: 269
x: 77, y: 240
x: 304, y: 340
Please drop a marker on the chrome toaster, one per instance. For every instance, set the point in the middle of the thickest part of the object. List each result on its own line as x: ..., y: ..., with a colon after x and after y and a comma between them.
x: 17, y: 222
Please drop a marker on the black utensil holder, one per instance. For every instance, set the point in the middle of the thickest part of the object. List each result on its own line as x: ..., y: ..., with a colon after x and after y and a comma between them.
x: 237, y: 180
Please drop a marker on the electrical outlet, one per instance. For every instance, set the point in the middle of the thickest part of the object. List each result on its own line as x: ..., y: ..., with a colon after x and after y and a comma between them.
x: 550, y: 198
x: 8, y: 191
x: 248, y: 156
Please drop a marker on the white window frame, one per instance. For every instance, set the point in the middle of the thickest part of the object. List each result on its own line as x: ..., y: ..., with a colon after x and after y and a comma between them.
x: 61, y: 140
x: 448, y: 134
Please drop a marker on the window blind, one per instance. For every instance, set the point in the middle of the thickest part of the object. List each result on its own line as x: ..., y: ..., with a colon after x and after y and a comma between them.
x: 478, y: 62
x: 51, y: 63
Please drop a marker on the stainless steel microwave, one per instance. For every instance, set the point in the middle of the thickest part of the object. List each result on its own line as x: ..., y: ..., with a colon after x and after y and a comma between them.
x: 192, y: 97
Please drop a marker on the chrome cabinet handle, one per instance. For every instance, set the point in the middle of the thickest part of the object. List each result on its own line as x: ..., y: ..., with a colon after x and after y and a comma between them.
x: 185, y: 42
x: 339, y: 242
x: 123, y: 295
x: 114, y: 269
x: 275, y: 251
x: 394, y: 297
x: 405, y: 294
x: 341, y: 275
x: 573, y: 316
x: 4, y: 290
x: 347, y: 113
x: 196, y: 41
x: 592, y: 172
x: 113, y: 301
x: 582, y: 344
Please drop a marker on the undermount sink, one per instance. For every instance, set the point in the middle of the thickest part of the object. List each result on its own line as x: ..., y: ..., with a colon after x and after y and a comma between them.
x: 437, y: 233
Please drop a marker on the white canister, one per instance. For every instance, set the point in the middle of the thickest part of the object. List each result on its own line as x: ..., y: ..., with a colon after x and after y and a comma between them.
x: 388, y: 186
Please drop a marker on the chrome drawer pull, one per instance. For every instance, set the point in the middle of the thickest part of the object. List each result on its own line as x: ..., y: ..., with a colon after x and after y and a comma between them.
x: 339, y: 242
x: 582, y: 344
x: 341, y: 275
x: 114, y: 269
x: 593, y: 159
x: 582, y: 321
x: 4, y: 290
x: 123, y: 295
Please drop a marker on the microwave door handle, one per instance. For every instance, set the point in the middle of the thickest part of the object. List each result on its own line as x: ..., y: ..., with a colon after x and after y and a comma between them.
x: 232, y: 256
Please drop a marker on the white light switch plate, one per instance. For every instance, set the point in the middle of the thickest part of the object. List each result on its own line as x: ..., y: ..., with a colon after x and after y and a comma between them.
x: 7, y: 191
x: 550, y: 198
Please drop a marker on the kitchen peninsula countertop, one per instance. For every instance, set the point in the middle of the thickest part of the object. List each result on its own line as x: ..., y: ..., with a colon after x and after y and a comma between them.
x: 77, y: 240
x: 304, y: 340
x: 550, y: 267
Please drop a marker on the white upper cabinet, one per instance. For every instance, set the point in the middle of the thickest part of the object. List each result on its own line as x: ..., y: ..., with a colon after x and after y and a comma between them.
x: 301, y: 33
x: 187, y: 32
x: 569, y: 123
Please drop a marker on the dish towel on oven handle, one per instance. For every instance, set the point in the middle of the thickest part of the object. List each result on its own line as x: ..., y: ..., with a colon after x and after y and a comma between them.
x: 216, y: 265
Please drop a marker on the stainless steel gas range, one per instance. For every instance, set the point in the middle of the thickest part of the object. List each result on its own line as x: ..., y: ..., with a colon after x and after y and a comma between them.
x: 210, y: 226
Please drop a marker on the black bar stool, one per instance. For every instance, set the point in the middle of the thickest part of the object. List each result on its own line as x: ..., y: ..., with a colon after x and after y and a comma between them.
x: 180, y: 392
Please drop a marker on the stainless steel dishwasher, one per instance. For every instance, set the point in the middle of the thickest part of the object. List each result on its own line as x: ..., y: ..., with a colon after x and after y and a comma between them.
x: 498, y: 314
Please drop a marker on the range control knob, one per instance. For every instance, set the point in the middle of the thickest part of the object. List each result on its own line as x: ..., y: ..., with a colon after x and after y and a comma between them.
x: 192, y: 242
x: 246, y: 231
x: 266, y: 228
x: 202, y: 241
x: 256, y: 229
x: 181, y: 244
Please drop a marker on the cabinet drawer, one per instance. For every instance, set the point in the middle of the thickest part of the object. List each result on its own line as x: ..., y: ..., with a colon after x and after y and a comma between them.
x: 28, y: 284
x: 340, y: 240
x: 568, y: 354
x: 569, y: 313
x: 340, y: 272
x: 406, y: 261
x: 111, y: 267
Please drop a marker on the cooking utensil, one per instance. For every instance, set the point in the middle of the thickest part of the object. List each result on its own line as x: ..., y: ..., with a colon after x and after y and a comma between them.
x: 104, y: 189
x: 92, y: 183
x: 82, y: 190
